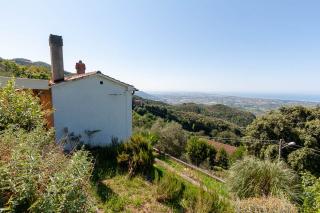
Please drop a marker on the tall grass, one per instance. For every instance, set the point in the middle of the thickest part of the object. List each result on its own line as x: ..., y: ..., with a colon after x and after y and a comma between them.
x: 252, y: 177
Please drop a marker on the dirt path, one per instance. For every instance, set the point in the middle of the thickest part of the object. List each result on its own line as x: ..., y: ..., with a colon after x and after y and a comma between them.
x: 182, y: 175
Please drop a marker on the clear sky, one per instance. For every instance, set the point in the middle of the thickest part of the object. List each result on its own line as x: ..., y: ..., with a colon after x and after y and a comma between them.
x: 176, y: 45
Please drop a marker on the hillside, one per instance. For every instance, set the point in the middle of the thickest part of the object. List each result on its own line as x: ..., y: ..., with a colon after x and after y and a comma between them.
x: 208, y: 120
x: 25, y: 68
x: 233, y: 115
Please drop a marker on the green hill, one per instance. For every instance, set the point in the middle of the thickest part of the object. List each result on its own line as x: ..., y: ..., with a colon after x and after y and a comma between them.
x: 25, y: 68
x: 212, y: 120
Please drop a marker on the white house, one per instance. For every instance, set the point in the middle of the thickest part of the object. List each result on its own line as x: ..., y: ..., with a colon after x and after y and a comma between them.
x: 91, y: 105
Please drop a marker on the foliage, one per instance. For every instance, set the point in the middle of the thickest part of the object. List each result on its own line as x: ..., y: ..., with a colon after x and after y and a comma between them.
x: 265, y: 205
x: 296, y: 123
x: 136, y: 155
x: 169, y: 189
x: 222, y: 159
x: 199, y: 201
x: 21, y: 108
x: 10, y: 68
x: 311, y: 192
x: 305, y: 159
x: 189, y: 120
x: 198, y: 151
x: 252, y: 177
x: 171, y: 138
x: 38, y: 177
x: 238, y: 154
x: 233, y: 115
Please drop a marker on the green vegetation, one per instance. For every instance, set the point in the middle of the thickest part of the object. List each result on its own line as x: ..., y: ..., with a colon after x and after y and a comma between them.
x: 222, y: 159
x: 257, y: 178
x: 170, y: 137
x: 11, y: 69
x: 311, y: 193
x: 199, y: 150
x: 184, y: 196
x: 200, y: 119
x: 233, y: 115
x: 35, y: 174
x: 136, y: 156
x: 204, y: 180
x: 19, y: 109
x: 298, y: 124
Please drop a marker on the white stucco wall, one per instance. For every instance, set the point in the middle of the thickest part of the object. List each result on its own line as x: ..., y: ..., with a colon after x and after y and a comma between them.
x: 86, y: 104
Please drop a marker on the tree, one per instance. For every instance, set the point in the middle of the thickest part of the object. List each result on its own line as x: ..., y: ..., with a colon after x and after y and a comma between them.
x: 171, y: 138
x: 222, y: 159
x: 198, y: 150
x: 305, y: 159
x: 298, y: 124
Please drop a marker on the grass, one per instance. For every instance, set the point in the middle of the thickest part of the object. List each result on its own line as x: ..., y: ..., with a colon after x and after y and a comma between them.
x: 208, y: 182
x: 132, y: 195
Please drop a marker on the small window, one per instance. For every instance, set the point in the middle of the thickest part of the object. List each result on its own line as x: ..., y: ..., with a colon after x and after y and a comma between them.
x: 101, y: 82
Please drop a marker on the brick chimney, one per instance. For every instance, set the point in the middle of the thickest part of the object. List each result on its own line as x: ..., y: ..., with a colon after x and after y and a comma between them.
x: 56, y: 53
x: 80, y: 67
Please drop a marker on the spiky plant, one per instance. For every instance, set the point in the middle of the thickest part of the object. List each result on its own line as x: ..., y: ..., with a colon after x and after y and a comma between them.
x: 252, y: 177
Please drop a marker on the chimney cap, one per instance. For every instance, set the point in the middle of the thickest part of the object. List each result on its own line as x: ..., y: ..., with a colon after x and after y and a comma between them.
x: 55, y: 40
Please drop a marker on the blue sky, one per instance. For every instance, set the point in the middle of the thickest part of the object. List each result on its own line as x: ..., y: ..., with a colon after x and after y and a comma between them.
x: 269, y: 46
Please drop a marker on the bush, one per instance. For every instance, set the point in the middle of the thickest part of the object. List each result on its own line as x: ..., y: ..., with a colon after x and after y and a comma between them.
x: 265, y: 205
x: 169, y: 189
x: 222, y: 159
x: 35, y: 175
x: 305, y: 159
x: 311, y: 192
x: 137, y: 156
x: 21, y: 108
x: 171, y: 138
x: 198, y: 200
x: 198, y: 150
x: 252, y: 177
x: 238, y: 154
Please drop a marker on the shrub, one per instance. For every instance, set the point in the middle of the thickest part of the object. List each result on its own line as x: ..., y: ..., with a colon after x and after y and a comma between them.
x: 311, y: 193
x: 238, y: 154
x: 198, y: 150
x: 305, y: 159
x: 137, y: 156
x: 265, y: 205
x: 21, y: 108
x: 171, y: 138
x: 252, y: 177
x: 35, y: 175
x: 222, y: 159
x: 198, y: 200
x: 169, y: 189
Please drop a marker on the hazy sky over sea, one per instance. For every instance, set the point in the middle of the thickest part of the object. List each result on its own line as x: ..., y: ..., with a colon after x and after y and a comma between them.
x: 266, y: 46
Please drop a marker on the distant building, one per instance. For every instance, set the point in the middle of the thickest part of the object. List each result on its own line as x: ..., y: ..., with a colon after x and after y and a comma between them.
x: 91, y: 105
